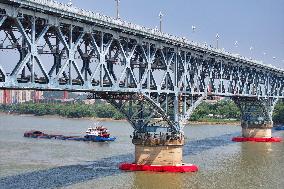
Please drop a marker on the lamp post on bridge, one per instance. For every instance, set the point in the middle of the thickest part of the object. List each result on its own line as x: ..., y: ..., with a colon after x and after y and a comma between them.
x: 274, y: 59
x: 161, y: 20
x: 264, y: 55
x: 217, y: 40
x: 117, y: 9
x: 193, y: 28
x: 236, y: 46
x: 70, y: 3
x: 251, y: 48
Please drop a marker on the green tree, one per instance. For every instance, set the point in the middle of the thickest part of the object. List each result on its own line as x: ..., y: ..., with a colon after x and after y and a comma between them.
x: 278, y: 114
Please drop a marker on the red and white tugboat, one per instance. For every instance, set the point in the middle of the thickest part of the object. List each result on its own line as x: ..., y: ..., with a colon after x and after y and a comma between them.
x: 98, y: 134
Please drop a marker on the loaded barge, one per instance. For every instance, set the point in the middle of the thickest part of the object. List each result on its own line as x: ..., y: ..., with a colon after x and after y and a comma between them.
x: 93, y: 134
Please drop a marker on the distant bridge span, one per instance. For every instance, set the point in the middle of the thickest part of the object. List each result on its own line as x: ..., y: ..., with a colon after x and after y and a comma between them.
x: 153, y: 78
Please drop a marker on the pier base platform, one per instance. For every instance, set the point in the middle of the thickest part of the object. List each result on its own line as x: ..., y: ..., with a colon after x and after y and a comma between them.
x: 159, y: 168
x: 256, y: 135
x: 244, y: 139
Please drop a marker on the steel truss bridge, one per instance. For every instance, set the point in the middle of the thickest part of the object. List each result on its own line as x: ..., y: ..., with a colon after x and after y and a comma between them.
x: 153, y: 78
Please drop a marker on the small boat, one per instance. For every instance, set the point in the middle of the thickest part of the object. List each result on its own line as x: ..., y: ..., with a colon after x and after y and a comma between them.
x: 98, y: 134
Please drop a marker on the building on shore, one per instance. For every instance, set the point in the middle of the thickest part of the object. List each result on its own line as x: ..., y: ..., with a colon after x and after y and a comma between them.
x: 19, y: 96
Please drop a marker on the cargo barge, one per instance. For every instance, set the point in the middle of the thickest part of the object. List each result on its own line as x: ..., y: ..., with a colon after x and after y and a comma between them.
x: 93, y: 134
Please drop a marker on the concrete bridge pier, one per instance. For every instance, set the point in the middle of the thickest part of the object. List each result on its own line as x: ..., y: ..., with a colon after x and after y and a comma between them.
x: 158, y: 152
x: 258, y: 132
x: 256, y: 119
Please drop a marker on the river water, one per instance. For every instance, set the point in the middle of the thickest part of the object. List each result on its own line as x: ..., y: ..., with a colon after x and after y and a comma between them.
x: 40, y: 163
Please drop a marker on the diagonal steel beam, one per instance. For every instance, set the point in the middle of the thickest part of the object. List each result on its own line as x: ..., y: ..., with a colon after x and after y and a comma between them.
x: 21, y: 65
x: 2, y: 20
x: 77, y: 70
x: 41, y: 67
x: 23, y: 32
x: 41, y: 35
x: 62, y: 38
x: 2, y: 71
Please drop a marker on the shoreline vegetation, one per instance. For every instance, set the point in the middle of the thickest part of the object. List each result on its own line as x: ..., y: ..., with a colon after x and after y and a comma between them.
x: 224, y: 112
x: 220, y: 122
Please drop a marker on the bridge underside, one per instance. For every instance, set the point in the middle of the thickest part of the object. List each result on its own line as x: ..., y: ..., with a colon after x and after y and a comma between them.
x: 151, y: 112
x: 256, y: 116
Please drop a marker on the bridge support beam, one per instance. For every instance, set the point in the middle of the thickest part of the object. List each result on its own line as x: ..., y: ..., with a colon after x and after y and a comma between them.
x: 256, y: 119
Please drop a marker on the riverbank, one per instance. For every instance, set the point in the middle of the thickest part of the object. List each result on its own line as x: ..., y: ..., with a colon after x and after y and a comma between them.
x: 122, y: 120
x: 97, y: 112
x: 62, y: 117
x: 221, y: 113
x: 236, y: 123
x: 69, y: 110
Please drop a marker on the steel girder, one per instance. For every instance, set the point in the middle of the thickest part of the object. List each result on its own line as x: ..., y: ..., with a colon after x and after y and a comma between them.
x: 256, y: 113
x: 140, y: 110
x: 172, y: 78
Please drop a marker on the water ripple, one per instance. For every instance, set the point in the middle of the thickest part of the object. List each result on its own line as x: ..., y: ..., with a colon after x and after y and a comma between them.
x: 73, y: 174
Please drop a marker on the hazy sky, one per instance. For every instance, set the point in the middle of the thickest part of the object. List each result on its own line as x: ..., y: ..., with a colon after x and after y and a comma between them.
x: 253, y: 23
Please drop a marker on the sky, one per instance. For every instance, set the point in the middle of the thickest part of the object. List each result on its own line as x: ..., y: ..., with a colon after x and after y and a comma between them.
x: 253, y: 23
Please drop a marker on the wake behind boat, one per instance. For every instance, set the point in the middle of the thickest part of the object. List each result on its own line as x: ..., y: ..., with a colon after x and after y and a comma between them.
x: 93, y: 134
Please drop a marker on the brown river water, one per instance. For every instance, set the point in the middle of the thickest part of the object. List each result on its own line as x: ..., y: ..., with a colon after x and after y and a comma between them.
x: 40, y: 163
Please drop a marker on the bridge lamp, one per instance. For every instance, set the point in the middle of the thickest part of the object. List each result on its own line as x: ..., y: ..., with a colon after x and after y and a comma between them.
x: 70, y: 3
x: 251, y: 48
x: 236, y: 44
x: 217, y: 40
x: 193, y: 29
x: 161, y: 19
x: 117, y: 9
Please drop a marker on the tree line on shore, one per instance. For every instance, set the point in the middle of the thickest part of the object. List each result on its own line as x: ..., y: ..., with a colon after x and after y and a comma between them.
x: 278, y: 113
x: 70, y: 110
x: 224, y: 110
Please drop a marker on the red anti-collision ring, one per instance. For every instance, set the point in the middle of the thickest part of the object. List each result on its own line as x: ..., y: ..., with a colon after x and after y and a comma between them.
x: 158, y: 168
x: 244, y: 139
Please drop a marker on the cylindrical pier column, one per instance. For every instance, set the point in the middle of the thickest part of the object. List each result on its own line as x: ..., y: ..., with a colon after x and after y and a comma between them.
x: 155, y: 152
x: 253, y: 130
x: 161, y: 153
x: 256, y: 132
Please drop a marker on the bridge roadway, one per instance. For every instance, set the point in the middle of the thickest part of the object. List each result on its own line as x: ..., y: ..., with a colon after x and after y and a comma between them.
x: 155, y: 79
